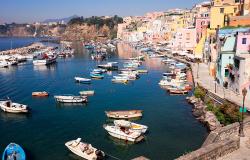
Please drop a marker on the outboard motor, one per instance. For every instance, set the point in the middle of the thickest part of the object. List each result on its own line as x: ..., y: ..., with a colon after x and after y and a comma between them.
x: 99, y: 155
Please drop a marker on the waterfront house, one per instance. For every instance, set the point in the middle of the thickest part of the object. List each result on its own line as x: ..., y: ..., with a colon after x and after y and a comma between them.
x: 225, y: 59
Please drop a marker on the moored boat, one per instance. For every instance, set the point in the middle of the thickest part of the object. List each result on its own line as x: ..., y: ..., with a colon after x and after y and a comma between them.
x: 96, y: 75
x: 40, y: 94
x: 126, y: 114
x: 131, y: 125
x: 82, y: 80
x: 87, y: 93
x: 70, y: 99
x: 13, y: 152
x: 9, y: 106
x: 84, y: 150
x: 177, y: 91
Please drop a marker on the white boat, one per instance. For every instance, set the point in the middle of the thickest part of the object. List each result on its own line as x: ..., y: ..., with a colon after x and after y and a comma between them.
x: 9, y: 106
x: 45, y: 61
x: 71, y: 99
x: 3, y: 64
x: 83, y: 80
x: 84, y: 150
x: 131, y: 125
x: 87, y: 93
x: 124, y: 133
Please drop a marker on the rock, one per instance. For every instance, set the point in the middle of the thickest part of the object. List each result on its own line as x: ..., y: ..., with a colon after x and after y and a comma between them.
x: 211, y: 120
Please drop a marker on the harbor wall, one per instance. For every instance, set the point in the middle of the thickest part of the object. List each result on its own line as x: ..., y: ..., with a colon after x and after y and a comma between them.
x: 219, y: 142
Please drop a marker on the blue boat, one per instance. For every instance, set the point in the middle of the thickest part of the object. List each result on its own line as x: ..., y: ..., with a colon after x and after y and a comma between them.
x: 13, y: 152
x: 96, y: 75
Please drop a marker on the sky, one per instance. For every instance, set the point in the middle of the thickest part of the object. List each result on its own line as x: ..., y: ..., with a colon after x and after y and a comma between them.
x: 22, y: 11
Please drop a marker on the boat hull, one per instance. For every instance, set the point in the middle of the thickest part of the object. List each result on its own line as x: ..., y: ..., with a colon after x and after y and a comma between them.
x: 13, y: 150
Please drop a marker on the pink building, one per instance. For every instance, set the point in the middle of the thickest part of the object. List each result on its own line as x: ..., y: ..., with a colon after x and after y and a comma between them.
x: 243, y: 43
x: 185, y: 39
x: 201, y: 24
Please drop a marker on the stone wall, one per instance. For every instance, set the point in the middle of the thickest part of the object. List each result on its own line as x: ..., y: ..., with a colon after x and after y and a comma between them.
x: 218, y: 143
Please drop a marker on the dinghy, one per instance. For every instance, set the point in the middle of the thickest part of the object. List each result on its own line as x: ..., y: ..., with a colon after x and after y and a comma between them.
x: 9, y: 106
x: 84, y: 150
x: 131, y: 125
x: 82, y: 80
x: 40, y: 94
x: 87, y: 93
x: 13, y: 152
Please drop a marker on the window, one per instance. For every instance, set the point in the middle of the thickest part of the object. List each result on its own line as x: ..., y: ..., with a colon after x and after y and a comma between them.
x: 244, y: 40
x: 226, y: 72
x: 221, y: 10
x: 237, y: 1
x: 235, y: 9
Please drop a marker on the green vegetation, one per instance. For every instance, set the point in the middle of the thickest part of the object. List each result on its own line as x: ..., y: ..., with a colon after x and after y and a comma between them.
x: 98, y: 21
x: 226, y: 114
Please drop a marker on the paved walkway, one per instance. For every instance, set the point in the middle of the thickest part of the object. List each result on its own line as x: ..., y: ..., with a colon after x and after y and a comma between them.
x: 208, y: 82
x: 243, y: 153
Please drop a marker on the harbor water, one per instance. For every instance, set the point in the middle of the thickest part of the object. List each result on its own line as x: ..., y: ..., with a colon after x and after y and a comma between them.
x: 173, y: 130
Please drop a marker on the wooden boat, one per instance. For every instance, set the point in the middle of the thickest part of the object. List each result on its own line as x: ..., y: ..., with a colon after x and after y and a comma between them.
x: 141, y: 71
x: 115, y: 80
x: 87, y: 93
x: 40, y: 94
x: 82, y: 80
x: 9, y: 106
x: 124, y: 133
x: 177, y: 91
x: 13, y: 152
x: 131, y: 125
x: 84, y: 150
x: 71, y: 99
x: 126, y: 114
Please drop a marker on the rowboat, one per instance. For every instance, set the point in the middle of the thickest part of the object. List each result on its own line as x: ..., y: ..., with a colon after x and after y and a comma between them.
x: 40, y: 94
x: 126, y: 114
x: 96, y: 75
x: 87, y: 93
x: 123, y: 133
x: 142, y: 71
x: 84, y: 150
x: 177, y: 91
x: 115, y: 80
x: 13, y: 152
x: 131, y: 125
x: 82, y: 80
x: 71, y: 99
x: 9, y: 106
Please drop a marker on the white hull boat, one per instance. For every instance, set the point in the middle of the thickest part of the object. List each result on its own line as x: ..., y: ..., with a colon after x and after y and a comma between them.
x: 44, y: 61
x: 131, y: 125
x: 84, y: 150
x: 124, y: 133
x: 87, y: 93
x: 71, y: 99
x: 82, y: 80
x: 9, y: 106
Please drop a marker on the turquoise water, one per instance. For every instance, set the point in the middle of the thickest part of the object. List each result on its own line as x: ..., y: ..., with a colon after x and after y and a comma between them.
x: 173, y: 130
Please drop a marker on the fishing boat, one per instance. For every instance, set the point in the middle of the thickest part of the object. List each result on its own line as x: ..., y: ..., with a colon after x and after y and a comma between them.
x: 126, y: 114
x: 177, y: 91
x: 71, y: 99
x: 124, y: 133
x: 131, y: 125
x: 45, y: 60
x: 82, y: 80
x: 40, y: 94
x: 13, y: 152
x: 96, y: 75
x: 141, y: 71
x: 109, y: 66
x: 114, y: 80
x: 84, y: 150
x: 9, y: 106
x: 87, y: 93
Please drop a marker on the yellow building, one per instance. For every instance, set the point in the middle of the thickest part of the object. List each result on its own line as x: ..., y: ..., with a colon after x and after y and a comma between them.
x: 221, y: 11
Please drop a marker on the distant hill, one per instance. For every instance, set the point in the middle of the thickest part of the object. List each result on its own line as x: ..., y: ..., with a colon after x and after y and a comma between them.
x: 66, y: 20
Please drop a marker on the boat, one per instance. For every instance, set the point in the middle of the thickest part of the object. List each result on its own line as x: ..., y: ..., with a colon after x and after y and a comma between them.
x: 13, y: 152
x: 119, y: 80
x: 82, y: 80
x: 40, y: 94
x: 109, y: 66
x: 3, y: 64
x: 71, y: 99
x: 124, y: 133
x: 131, y: 125
x: 87, y: 93
x: 9, y: 106
x: 45, y: 60
x: 177, y: 91
x: 84, y: 150
x: 142, y: 71
x: 126, y: 114
x: 96, y: 75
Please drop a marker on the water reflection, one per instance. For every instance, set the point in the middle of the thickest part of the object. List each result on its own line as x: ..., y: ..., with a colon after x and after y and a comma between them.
x: 11, y: 116
x: 70, y: 105
x: 51, y: 67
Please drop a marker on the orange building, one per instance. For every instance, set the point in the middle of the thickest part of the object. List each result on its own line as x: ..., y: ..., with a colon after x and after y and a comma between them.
x: 240, y: 21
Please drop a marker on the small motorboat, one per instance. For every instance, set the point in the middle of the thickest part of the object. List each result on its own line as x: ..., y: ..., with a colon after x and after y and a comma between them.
x: 141, y: 71
x: 177, y: 91
x: 71, y: 99
x: 13, y: 152
x: 40, y: 94
x: 96, y: 75
x: 127, y: 114
x: 131, y: 125
x: 84, y: 150
x: 9, y: 106
x: 87, y: 93
x: 124, y: 133
x: 82, y: 80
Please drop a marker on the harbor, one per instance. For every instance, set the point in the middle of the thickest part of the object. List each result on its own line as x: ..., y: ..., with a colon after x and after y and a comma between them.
x: 168, y: 117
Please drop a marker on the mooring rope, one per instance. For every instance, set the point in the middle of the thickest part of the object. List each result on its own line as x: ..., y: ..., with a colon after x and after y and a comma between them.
x: 109, y: 155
